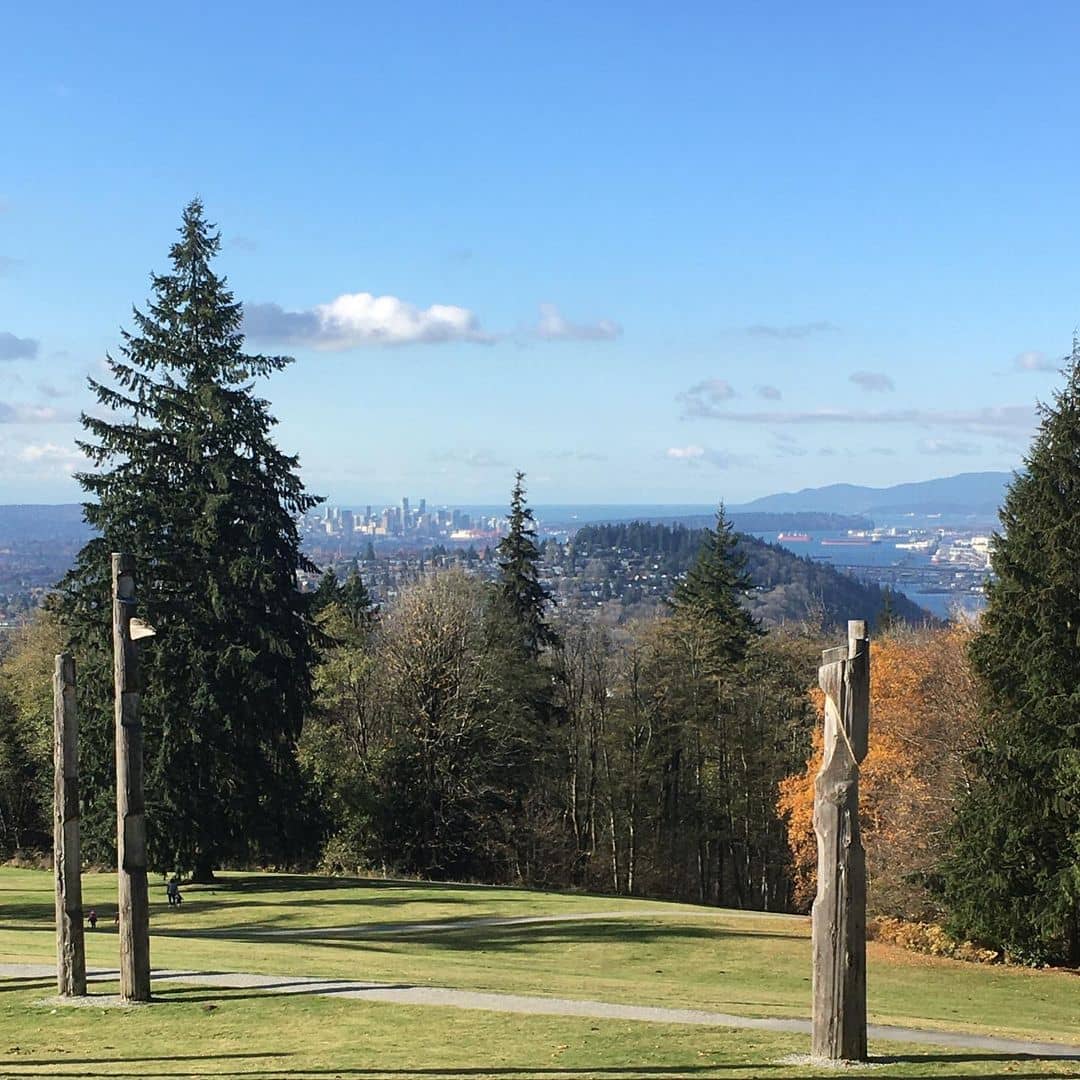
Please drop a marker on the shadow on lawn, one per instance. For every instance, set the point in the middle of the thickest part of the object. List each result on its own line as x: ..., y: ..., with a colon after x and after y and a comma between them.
x: 317, y: 883
x: 453, y: 934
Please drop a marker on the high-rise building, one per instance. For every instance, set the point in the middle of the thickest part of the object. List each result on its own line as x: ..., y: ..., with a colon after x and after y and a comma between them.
x: 405, y: 513
x: 348, y: 523
x: 423, y: 506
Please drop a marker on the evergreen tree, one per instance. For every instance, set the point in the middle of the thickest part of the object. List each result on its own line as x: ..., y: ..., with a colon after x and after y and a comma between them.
x: 1013, y: 877
x: 326, y: 592
x: 712, y: 593
x: 887, y: 618
x: 356, y: 602
x: 188, y: 479
x: 519, y: 581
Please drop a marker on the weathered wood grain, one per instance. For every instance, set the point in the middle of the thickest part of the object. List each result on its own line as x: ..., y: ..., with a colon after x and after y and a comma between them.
x: 839, y: 916
x: 67, y: 856
x: 134, y: 905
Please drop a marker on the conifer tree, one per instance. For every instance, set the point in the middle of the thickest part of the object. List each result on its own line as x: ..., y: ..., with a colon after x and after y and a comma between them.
x: 355, y: 600
x: 326, y: 592
x: 712, y: 593
x: 1013, y: 877
x: 188, y: 479
x: 524, y: 598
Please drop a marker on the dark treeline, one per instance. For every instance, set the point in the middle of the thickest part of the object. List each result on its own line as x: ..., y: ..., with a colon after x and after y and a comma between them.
x: 464, y: 732
x: 785, y: 584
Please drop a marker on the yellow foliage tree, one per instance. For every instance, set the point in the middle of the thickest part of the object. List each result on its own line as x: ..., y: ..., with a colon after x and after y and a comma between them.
x: 923, y: 721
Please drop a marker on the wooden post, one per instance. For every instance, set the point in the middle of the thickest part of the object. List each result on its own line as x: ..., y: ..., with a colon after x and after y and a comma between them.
x: 839, y: 918
x: 134, y: 903
x: 67, y: 859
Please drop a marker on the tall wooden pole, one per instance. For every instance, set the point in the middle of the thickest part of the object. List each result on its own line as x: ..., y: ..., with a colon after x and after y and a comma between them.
x: 839, y: 918
x: 67, y: 858
x: 134, y: 903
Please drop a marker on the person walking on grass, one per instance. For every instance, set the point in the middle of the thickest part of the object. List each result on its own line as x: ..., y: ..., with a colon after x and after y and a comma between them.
x: 172, y: 891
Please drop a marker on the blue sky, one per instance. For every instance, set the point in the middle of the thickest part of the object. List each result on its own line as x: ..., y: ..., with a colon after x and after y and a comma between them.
x: 647, y: 253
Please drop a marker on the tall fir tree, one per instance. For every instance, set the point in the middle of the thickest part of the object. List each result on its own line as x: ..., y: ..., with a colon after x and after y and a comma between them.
x: 524, y: 597
x: 188, y: 479
x: 356, y: 601
x: 1012, y: 879
x: 712, y: 594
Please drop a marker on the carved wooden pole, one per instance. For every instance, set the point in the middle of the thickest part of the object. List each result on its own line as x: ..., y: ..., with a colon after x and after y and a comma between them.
x: 134, y: 903
x: 839, y: 918
x: 67, y: 859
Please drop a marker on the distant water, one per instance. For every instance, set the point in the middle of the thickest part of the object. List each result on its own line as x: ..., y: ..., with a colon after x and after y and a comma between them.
x: 849, y: 557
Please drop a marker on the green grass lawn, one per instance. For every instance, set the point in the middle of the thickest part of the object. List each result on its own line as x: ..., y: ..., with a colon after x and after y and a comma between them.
x: 190, y: 1032
x: 696, y: 957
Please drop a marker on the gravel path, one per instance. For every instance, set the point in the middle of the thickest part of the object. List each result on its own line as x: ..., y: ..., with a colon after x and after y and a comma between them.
x: 402, y: 994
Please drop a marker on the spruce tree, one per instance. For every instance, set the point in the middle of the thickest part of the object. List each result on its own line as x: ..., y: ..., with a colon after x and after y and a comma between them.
x: 524, y: 598
x: 355, y: 600
x: 188, y: 479
x: 712, y: 593
x: 1013, y: 877
x: 326, y: 592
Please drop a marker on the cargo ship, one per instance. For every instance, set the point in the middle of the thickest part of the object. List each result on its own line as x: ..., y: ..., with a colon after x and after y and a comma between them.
x: 793, y: 538
x: 850, y: 541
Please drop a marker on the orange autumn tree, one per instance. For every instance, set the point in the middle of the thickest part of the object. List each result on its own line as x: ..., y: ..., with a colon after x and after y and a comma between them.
x: 923, y: 720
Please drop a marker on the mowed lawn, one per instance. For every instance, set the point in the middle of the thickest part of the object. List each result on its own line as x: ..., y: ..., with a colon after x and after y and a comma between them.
x: 640, y: 952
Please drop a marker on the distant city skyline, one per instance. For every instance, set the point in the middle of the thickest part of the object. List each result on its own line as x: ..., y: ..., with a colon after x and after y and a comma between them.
x: 713, y: 255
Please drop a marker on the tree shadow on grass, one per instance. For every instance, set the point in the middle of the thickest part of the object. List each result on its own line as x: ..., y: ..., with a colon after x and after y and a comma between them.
x: 318, y: 882
x: 223, y: 994
x: 452, y: 934
x: 27, y: 982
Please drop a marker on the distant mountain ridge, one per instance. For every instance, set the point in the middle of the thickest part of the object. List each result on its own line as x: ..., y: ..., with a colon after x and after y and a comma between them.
x: 975, y: 493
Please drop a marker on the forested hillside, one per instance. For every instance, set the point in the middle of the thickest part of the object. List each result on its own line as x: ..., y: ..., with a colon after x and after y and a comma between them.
x: 786, y: 587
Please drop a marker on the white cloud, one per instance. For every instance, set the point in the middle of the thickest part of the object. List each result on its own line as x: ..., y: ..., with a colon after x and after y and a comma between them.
x: 554, y: 327
x: 698, y: 455
x: 704, y: 396
x: 44, y: 452
x: 359, y: 320
x: 997, y: 419
x: 1032, y: 360
x: 947, y: 447
x: 30, y: 414
x: 51, y: 458
x: 685, y: 453
x: 473, y: 459
x: 872, y: 381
